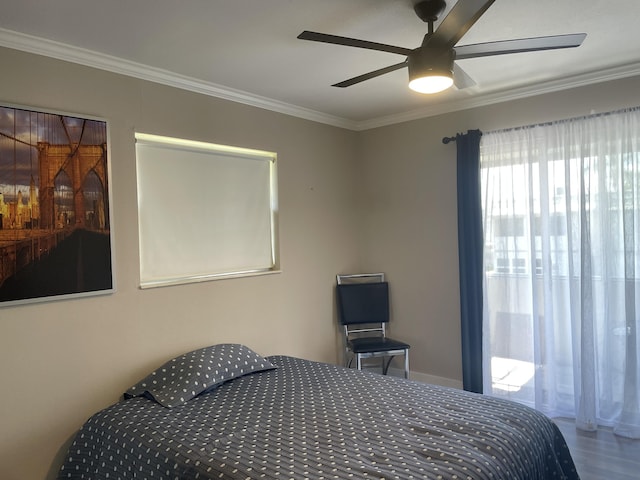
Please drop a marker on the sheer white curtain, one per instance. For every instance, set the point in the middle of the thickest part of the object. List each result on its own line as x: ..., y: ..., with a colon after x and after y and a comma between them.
x: 561, y: 215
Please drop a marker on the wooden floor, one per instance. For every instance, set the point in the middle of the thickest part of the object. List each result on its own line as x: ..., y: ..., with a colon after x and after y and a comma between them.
x: 601, y: 455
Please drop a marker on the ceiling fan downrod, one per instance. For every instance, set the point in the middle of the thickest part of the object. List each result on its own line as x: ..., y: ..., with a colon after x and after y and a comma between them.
x: 428, y: 11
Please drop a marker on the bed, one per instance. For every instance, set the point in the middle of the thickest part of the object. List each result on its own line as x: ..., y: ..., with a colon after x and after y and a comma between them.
x: 225, y: 412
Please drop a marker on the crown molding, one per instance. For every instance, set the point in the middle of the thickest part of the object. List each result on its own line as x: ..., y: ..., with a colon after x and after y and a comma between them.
x: 89, y: 58
x: 70, y: 53
x: 590, y: 78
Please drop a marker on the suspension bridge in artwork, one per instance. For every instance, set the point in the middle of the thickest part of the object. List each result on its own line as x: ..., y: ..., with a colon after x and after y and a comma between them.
x: 53, y: 183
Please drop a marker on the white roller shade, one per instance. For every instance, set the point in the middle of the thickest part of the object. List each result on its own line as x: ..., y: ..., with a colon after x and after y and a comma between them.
x: 204, y: 210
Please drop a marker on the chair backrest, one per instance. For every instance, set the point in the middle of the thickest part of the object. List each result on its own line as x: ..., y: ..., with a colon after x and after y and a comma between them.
x: 343, y: 279
x: 363, y: 303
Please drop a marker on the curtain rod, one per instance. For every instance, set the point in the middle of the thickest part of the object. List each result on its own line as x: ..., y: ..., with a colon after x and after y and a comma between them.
x: 566, y: 120
x: 446, y: 140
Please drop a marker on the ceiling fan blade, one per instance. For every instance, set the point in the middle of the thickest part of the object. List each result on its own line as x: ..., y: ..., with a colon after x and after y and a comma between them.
x: 459, y: 20
x: 461, y: 79
x: 352, y: 42
x: 519, y: 45
x: 367, y: 76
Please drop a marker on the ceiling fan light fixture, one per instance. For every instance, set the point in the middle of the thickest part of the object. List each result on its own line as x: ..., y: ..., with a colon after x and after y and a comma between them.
x: 430, y: 73
x: 430, y: 83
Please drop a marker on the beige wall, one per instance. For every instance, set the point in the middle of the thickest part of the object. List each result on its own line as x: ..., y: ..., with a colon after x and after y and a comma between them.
x: 410, y: 223
x: 62, y: 361
x: 383, y: 199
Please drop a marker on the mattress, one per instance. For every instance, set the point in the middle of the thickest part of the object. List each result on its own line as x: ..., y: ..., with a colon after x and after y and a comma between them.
x: 310, y: 420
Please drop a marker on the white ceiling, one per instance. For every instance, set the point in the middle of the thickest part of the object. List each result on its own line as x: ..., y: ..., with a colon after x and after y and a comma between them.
x: 247, y: 50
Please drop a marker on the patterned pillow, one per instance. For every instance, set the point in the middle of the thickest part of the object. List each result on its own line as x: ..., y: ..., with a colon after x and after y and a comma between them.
x: 184, y: 377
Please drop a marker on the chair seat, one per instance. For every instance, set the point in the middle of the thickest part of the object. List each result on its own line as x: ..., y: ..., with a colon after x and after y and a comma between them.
x: 376, y: 344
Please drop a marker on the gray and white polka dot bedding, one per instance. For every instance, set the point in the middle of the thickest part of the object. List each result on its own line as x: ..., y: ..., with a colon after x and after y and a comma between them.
x: 308, y: 420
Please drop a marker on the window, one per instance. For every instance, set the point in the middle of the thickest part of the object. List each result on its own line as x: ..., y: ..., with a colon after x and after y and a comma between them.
x: 205, y: 211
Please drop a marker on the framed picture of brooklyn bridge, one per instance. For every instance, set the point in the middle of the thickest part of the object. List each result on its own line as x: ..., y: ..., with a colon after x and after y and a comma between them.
x: 55, y: 235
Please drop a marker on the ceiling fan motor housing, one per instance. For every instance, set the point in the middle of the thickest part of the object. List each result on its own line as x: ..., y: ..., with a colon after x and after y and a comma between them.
x: 426, y: 62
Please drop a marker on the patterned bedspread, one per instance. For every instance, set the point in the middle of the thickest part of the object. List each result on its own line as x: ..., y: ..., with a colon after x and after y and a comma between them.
x: 308, y: 420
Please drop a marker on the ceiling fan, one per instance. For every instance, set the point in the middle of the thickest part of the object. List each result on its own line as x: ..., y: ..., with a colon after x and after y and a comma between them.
x: 431, y: 65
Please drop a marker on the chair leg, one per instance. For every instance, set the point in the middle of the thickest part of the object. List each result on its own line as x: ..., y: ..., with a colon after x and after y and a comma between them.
x: 358, y: 362
x: 406, y: 364
x: 385, y: 367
